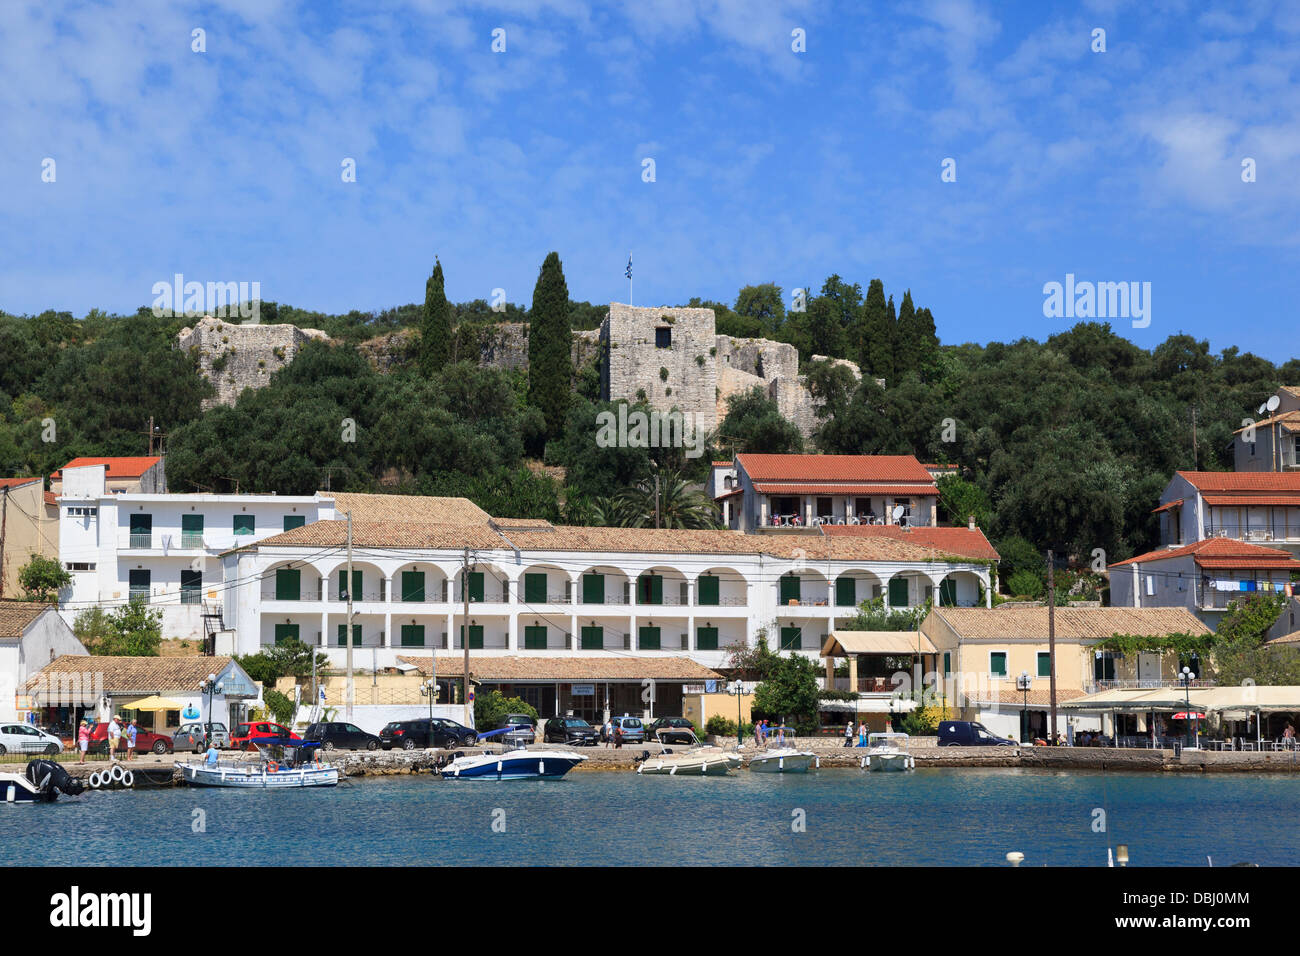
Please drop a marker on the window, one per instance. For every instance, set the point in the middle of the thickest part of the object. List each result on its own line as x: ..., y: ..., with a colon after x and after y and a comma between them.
x: 648, y: 639
x: 412, y: 585
x: 139, y: 584
x: 947, y: 663
x: 650, y: 589
x: 475, y: 636
x: 948, y: 592
x: 898, y: 592
x: 476, y: 586
x: 790, y: 589
x: 191, y: 587
x: 706, y: 590
x: 791, y: 638
x: 535, y: 587
x: 845, y: 591
x: 80, y: 565
x: 294, y: 521
x: 412, y: 635
x: 286, y: 632
x: 593, y: 589
x: 288, y: 584
x: 663, y: 337
x: 356, y: 635
x: 706, y: 638
x: 191, y: 531
x: 1103, y: 666
x: 535, y: 638
x: 141, y: 531
x: 998, y: 663
x: 593, y: 638
x: 244, y: 524
x: 79, y: 512
x: 1044, y: 664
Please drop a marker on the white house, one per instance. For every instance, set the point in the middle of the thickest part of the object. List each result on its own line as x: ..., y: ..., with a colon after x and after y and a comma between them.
x: 1259, y: 507
x: 31, y: 635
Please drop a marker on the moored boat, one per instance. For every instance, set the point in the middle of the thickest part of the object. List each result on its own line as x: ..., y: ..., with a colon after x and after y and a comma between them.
x: 697, y: 760
x: 276, y: 764
x: 512, y: 765
x: 41, y: 782
x: 888, y: 752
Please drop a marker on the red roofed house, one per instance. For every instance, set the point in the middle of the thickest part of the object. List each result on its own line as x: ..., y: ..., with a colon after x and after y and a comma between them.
x: 770, y: 492
x: 1273, y: 442
x: 1259, y: 507
x: 142, y: 474
x: 1203, y: 576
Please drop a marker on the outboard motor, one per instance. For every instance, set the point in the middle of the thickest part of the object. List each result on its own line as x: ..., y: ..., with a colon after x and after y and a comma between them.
x: 51, y: 779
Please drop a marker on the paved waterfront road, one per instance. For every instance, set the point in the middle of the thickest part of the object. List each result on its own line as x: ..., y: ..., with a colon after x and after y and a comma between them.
x: 958, y: 816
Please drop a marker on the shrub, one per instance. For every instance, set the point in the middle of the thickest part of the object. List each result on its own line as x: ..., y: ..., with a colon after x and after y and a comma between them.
x: 1026, y: 584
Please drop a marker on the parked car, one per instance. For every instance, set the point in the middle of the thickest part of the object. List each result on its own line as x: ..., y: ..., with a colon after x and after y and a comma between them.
x: 969, y: 733
x: 524, y: 730
x: 425, y: 732
x: 191, y: 737
x: 245, y: 734
x: 343, y: 736
x: 26, y: 739
x: 570, y: 730
x: 671, y: 730
x: 145, y: 740
x: 634, y: 731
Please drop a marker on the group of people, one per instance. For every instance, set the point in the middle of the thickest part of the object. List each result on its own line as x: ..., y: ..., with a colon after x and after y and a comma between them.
x: 116, y: 732
x: 861, y: 734
x: 763, y: 731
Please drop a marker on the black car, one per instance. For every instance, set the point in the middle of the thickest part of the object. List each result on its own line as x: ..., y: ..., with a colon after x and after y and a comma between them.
x: 523, y: 730
x: 676, y: 730
x: 425, y: 732
x: 969, y: 733
x: 570, y: 730
x: 342, y: 736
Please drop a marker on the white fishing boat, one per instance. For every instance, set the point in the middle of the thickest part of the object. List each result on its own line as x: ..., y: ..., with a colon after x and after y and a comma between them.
x: 780, y: 757
x: 273, y: 765
x: 888, y: 752
x: 697, y: 760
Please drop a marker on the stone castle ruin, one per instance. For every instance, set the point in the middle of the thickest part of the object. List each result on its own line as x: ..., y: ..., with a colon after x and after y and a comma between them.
x: 670, y: 357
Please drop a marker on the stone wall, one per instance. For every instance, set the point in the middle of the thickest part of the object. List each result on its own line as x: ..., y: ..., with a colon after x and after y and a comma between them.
x: 236, y: 357
x: 666, y: 354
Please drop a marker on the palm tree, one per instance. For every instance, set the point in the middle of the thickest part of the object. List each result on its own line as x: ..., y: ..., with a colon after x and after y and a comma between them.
x: 680, y: 505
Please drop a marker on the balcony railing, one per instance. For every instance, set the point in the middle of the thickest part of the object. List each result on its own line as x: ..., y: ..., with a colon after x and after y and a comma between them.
x: 140, y: 540
x: 1142, y: 683
x: 191, y: 596
x: 191, y: 539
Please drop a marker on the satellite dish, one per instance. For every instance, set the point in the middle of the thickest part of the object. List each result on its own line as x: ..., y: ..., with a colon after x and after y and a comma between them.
x: 1273, y: 403
x: 898, y: 512
x: 1263, y: 409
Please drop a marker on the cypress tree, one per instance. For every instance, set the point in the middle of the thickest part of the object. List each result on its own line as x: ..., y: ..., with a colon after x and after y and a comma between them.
x: 550, y: 344
x: 435, y: 325
x: 907, y: 350
x: 876, y: 343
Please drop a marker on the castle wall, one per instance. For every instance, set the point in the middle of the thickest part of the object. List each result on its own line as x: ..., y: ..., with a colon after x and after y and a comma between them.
x: 235, y: 357
x: 666, y: 353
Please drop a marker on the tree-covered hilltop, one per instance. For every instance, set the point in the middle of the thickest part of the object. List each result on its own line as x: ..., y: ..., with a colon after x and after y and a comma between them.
x: 1064, y: 443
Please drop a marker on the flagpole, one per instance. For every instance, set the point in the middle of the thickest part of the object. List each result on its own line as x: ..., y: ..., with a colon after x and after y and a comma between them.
x: 629, y: 278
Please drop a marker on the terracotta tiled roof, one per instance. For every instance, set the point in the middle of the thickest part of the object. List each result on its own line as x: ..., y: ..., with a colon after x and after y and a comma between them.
x: 51, y: 498
x: 864, y: 488
x: 1167, y: 505
x: 16, y: 616
x: 115, y: 467
x: 567, y: 668
x: 1292, y: 638
x: 834, y: 468
x: 1038, y: 696
x: 123, y: 675
x: 1237, y: 482
x: 422, y: 508
x: 1285, y: 418
x: 12, y: 483
x: 1242, y: 500
x: 1221, y: 553
x: 957, y: 541
x: 1072, y: 623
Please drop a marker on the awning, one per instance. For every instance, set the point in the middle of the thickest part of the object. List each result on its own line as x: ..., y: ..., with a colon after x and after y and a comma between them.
x: 1205, y: 699
x: 153, y: 704
x: 1167, y: 505
x: 1136, y: 699
x: 894, y: 643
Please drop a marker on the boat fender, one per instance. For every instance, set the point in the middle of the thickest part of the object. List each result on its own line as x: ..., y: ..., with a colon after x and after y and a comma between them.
x: 817, y: 761
x: 94, y: 780
x: 128, y: 778
x: 10, y: 794
x: 116, y: 774
x: 541, y: 766
x: 272, y: 766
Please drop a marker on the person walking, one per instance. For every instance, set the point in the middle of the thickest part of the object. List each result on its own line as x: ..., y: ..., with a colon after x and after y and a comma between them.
x: 848, y: 734
x: 862, y: 734
x: 131, y: 732
x: 609, y: 732
x: 83, y: 739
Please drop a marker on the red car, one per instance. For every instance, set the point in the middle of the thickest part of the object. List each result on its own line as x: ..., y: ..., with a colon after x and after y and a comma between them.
x: 243, y: 735
x: 145, y: 740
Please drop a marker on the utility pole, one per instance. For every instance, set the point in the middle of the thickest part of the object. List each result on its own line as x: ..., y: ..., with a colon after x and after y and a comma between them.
x: 1195, y: 450
x: 464, y: 593
x: 348, y: 692
x: 4, y: 518
x: 656, y: 498
x: 1051, y: 635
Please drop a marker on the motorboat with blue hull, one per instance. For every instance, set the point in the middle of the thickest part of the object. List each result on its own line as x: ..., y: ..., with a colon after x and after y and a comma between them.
x: 41, y: 782
x: 277, y: 764
x: 512, y: 765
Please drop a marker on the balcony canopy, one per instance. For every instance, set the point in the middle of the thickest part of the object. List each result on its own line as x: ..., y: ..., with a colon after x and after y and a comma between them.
x: 892, y: 643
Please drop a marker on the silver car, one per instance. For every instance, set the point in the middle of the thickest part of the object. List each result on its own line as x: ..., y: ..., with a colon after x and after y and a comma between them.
x: 190, y: 737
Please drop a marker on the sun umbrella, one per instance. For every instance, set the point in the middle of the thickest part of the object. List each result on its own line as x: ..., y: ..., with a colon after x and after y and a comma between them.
x: 154, y: 703
x: 1185, y: 715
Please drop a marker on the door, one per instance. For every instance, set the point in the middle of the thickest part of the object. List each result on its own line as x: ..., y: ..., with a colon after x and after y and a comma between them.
x: 650, y: 589
x: 412, y: 585
x: 141, y: 531
x: 593, y: 589
x: 706, y: 590
x: 845, y: 591
x: 191, y: 587
x: 1149, y: 669
x: 791, y: 638
x: 593, y: 639
x: 948, y: 592
x: 535, y: 587
x: 285, y: 632
x: 898, y: 592
x: 138, y: 582
x: 648, y: 639
x: 535, y: 638
x: 790, y: 589
x: 191, y: 531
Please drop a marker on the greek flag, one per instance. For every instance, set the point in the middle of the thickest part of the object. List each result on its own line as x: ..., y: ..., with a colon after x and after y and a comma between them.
x: 629, y: 265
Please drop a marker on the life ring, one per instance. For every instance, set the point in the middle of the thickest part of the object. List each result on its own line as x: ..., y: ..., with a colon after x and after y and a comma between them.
x: 272, y: 766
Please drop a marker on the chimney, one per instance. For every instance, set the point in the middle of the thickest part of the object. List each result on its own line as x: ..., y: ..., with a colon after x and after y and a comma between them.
x: 970, y: 522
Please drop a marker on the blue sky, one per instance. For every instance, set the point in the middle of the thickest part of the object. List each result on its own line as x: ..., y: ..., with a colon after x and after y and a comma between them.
x: 770, y: 165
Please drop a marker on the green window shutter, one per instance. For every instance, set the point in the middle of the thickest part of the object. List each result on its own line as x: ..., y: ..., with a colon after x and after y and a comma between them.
x: 141, y: 524
x: 648, y: 639
x: 356, y: 585
x: 947, y: 663
x: 412, y: 585
x: 288, y: 584
x: 356, y: 635
x: 294, y: 521
x: 593, y: 589
x: 535, y: 638
x: 413, y: 635
x: 650, y: 589
x: 790, y: 589
x: 998, y: 663
x: 845, y: 591
x: 476, y: 586
x: 244, y: 524
x: 191, y: 587
x: 1045, y: 665
x: 593, y: 638
x: 191, y: 531
x: 948, y: 593
x: 285, y: 632
x: 475, y: 636
x: 898, y: 592
x: 138, y: 584
x: 706, y: 638
x: 791, y: 638
x: 535, y: 587
x: 706, y: 591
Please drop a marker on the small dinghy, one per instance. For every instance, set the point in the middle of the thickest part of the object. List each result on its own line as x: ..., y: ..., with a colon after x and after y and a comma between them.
x: 516, y: 764
x: 41, y: 782
x: 277, y: 763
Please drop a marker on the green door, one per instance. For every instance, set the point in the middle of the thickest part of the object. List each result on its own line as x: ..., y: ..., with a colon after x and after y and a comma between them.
x: 294, y: 521
x: 898, y: 592
x: 286, y: 632
x: 650, y: 589
x: 535, y: 638
x: 476, y: 586
x: 356, y: 635
x: 790, y: 589
x: 244, y: 524
x: 648, y: 639
x: 288, y: 584
x: 791, y: 638
x: 412, y: 585
x: 413, y: 635
x: 191, y: 587
x: 475, y: 636
x: 141, y: 531
x: 706, y: 638
x: 948, y: 592
x: 706, y: 591
x: 535, y: 587
x: 356, y: 586
x: 593, y: 589
x: 191, y: 531
x: 845, y: 591
x: 138, y: 584
x: 593, y: 638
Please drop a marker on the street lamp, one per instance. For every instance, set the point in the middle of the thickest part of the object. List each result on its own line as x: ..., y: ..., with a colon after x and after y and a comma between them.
x: 1023, y: 683
x: 740, y: 729
x: 1186, y: 676
x: 209, y: 686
